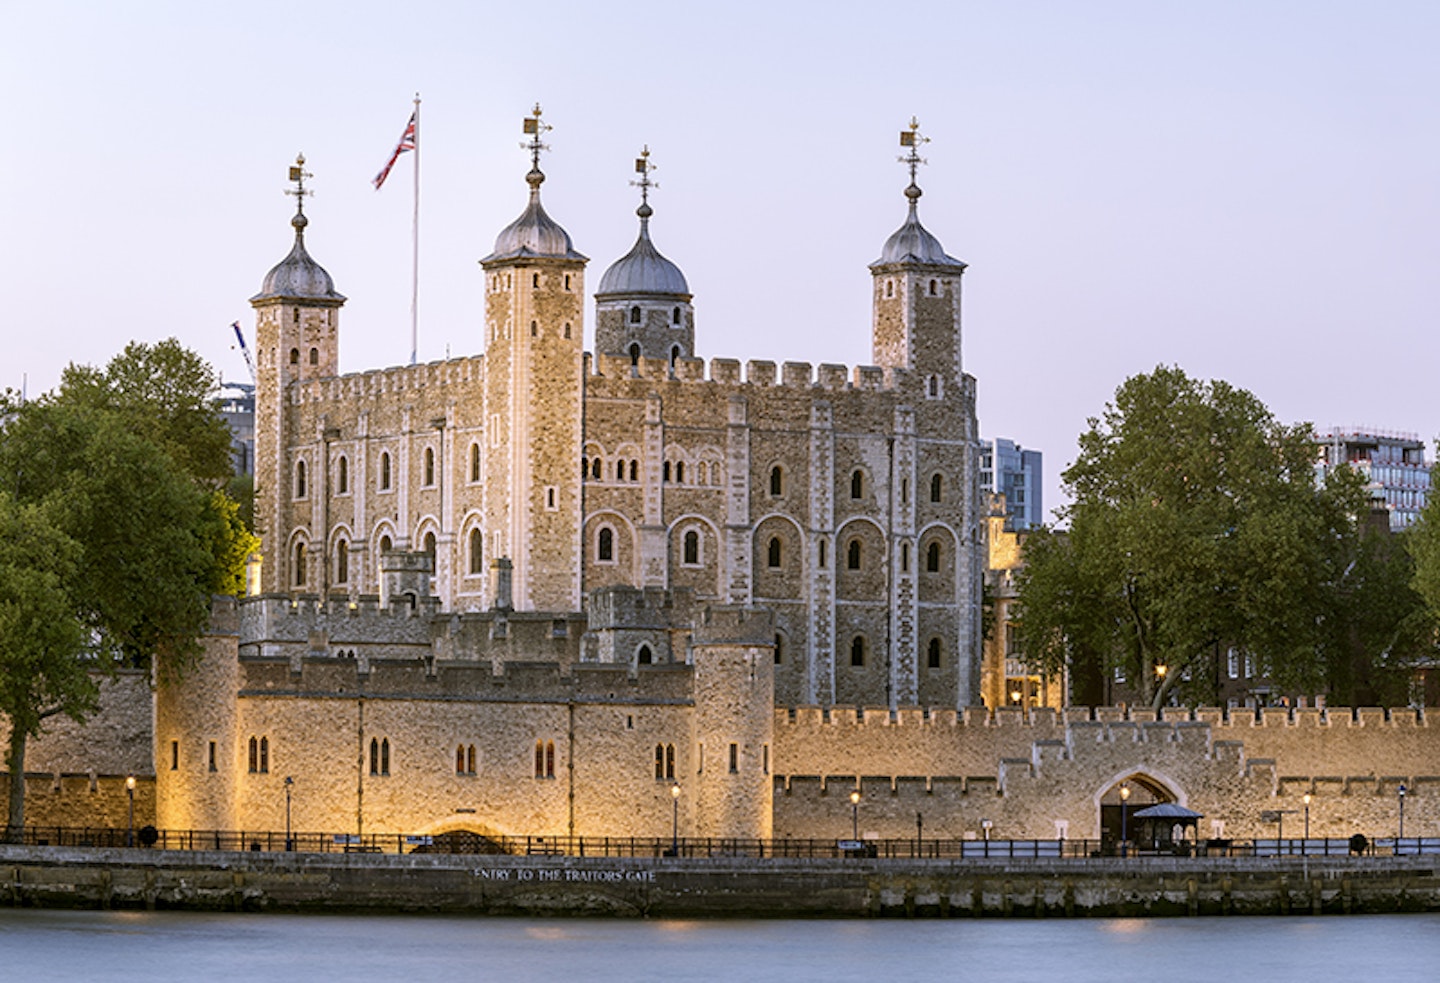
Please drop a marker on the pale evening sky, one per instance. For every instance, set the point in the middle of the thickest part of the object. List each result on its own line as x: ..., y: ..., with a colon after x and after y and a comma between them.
x: 1246, y: 189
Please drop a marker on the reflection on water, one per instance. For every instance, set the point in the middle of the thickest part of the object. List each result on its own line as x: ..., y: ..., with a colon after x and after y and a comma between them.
x: 131, y: 946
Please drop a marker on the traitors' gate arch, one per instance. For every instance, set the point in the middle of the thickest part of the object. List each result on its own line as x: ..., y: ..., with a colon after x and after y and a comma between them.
x: 1125, y: 794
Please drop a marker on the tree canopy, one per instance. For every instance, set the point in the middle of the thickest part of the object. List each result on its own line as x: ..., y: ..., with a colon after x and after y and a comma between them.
x: 1197, y: 523
x: 113, y: 487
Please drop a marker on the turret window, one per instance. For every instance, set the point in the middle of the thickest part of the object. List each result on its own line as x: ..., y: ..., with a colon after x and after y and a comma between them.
x: 889, y: 288
x: 300, y: 479
x: 852, y: 555
x: 535, y: 281
x: 342, y: 476
x: 934, y: 288
x: 857, y: 484
x: 342, y: 561
x: 675, y: 317
x: 645, y: 656
x: 300, y: 564
x: 477, y: 549
x: 385, y: 471
x: 605, y: 545
x: 429, y: 467
x: 633, y: 470
x: 595, y: 469
x: 932, y: 659
x: 567, y: 323
x: 777, y: 481
x: 779, y: 648
x: 294, y: 356
x: 635, y: 315
x: 857, y: 650
x: 314, y: 356
x: 932, y: 558
x: 772, y: 553
x: 534, y: 329
x: 937, y: 488
x: 474, y: 462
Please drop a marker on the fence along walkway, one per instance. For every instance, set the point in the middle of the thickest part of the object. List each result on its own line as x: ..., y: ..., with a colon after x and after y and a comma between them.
x: 463, y: 842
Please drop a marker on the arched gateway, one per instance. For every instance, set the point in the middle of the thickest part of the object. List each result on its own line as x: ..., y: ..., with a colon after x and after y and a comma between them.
x: 1118, y: 801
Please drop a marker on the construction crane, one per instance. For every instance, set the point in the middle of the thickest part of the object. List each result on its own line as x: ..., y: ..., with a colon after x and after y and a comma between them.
x: 249, y: 362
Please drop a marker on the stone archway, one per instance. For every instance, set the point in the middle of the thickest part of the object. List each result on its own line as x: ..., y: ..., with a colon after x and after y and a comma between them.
x: 1118, y: 802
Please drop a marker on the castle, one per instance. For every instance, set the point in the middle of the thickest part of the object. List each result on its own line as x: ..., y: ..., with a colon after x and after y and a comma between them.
x: 544, y: 592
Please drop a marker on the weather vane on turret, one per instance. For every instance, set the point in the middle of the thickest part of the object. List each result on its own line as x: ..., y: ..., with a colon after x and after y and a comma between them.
x: 534, y: 128
x: 298, y: 174
x: 643, y: 167
x: 912, y: 138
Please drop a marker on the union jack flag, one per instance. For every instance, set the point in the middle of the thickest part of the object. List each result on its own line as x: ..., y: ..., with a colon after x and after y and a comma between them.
x: 408, y: 140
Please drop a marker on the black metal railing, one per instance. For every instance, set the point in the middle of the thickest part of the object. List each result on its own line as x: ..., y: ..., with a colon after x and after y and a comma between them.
x: 649, y: 847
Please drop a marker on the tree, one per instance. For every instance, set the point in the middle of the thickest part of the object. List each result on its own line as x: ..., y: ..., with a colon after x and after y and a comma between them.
x: 1197, y: 522
x: 128, y: 471
x: 166, y: 392
x: 41, y: 640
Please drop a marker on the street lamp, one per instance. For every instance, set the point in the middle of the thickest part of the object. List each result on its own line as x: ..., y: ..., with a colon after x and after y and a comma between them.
x: 130, y: 826
x: 1124, y: 818
x: 289, y: 843
x: 1306, y: 798
x: 919, y: 834
x: 675, y: 820
x: 855, y: 814
x: 1402, y: 814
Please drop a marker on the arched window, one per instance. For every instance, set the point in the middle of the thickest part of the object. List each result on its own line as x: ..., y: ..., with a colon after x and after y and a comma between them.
x: 595, y: 467
x: 429, y: 542
x: 385, y: 471
x: 539, y: 759
x: 857, y: 650
x: 665, y: 472
x: 632, y: 470
x: 254, y: 756
x: 384, y: 755
x: 691, y: 551
x: 772, y: 553
x: 549, y: 759
x: 933, y: 655
x: 659, y: 762
x: 679, y: 472
x: 934, y: 288
x: 374, y: 756
x: 904, y: 557
x: 675, y: 316
x: 619, y: 470
x: 535, y: 281
x: 299, y: 564
x: 635, y: 315
x: 314, y: 356
x: 567, y: 323
x: 857, y: 483
x: 429, y: 466
x: 470, y: 760
x: 777, y: 481
x: 342, y: 561
x: 779, y: 648
x: 385, y: 544
x: 605, y: 545
x: 934, y: 384
x: 937, y: 488
x: 644, y: 657
x: 932, y: 557
x: 295, y: 355
x: 852, y: 555
x: 889, y: 288
x: 635, y: 351
x: 670, y: 761
x: 477, y: 546
x: 459, y: 759
x: 264, y: 755
x: 300, y: 479
x: 474, y: 462
x: 342, y: 475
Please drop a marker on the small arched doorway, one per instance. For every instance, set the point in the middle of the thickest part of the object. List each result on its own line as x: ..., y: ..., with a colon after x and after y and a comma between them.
x: 1119, y: 803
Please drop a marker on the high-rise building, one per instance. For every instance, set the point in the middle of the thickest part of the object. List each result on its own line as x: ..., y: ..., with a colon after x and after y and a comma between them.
x: 1393, y: 464
x: 1008, y: 469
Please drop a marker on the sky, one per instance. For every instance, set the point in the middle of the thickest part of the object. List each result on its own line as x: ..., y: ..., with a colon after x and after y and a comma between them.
x: 1245, y: 189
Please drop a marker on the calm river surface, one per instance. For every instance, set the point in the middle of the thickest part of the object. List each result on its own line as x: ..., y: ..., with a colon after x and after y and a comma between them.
x: 114, y: 946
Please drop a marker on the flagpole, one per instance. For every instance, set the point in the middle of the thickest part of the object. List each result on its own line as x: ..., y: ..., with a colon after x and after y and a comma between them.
x: 415, y: 246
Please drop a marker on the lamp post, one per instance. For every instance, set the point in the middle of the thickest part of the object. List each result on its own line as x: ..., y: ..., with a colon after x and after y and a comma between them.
x: 919, y: 833
x: 1306, y: 798
x: 130, y: 826
x: 289, y: 843
x: 675, y: 820
x: 1124, y: 818
x: 855, y: 814
x: 1402, y: 814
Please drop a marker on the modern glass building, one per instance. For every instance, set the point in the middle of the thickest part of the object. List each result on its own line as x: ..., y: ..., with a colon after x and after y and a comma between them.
x: 1008, y: 469
x: 1396, y: 472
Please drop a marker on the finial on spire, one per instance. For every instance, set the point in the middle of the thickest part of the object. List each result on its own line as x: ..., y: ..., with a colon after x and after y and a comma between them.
x: 912, y: 138
x: 643, y: 167
x: 535, y: 128
x: 298, y: 174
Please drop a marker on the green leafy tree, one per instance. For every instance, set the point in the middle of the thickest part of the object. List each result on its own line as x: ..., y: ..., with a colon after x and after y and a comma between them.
x: 166, y: 392
x: 1196, y: 522
x: 42, y: 672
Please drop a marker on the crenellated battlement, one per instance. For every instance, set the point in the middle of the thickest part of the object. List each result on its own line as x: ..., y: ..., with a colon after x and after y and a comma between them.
x: 395, y: 379
x: 1394, y: 718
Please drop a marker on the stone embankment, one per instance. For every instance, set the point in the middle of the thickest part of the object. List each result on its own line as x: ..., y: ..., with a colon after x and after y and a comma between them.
x: 507, y: 885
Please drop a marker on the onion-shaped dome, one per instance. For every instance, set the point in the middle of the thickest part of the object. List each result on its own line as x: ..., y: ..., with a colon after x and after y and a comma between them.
x: 643, y: 270
x: 913, y: 243
x: 534, y: 233
x: 297, y: 275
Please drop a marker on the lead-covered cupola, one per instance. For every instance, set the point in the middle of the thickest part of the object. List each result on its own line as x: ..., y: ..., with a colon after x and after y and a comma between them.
x: 642, y: 306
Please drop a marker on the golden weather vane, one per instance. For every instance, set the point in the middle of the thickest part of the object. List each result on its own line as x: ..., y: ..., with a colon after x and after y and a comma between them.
x: 643, y: 167
x: 298, y: 174
x: 912, y: 138
x: 535, y: 128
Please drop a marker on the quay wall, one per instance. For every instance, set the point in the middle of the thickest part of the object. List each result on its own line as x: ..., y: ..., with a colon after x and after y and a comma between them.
x: 781, y: 888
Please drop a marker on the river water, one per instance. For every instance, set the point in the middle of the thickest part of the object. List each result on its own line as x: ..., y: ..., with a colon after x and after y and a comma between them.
x: 164, y: 946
